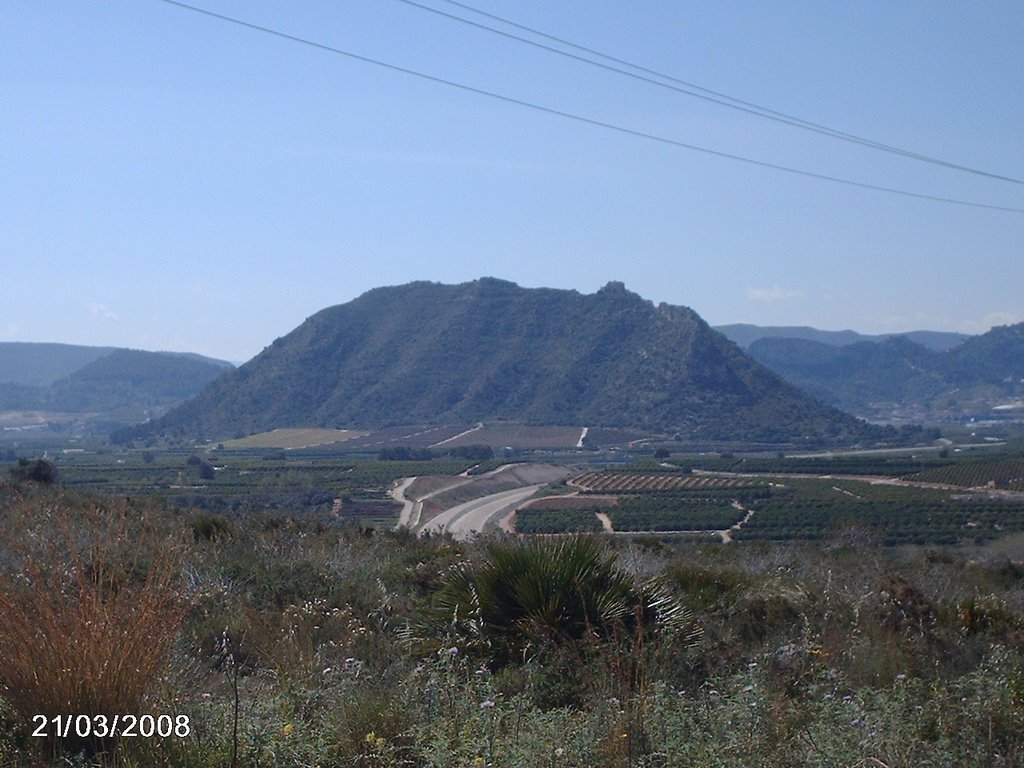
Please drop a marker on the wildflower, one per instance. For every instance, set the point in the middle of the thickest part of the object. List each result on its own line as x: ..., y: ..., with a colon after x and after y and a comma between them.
x: 479, y: 761
x: 288, y: 730
x: 559, y: 751
x: 488, y: 704
x: 375, y: 741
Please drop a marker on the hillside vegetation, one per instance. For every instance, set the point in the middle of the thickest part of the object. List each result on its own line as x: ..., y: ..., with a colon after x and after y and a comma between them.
x: 489, y: 350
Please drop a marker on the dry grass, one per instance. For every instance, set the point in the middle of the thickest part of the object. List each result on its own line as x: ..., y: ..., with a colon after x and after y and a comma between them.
x: 85, y: 631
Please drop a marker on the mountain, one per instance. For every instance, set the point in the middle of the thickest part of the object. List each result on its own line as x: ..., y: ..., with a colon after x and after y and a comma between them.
x: 426, y: 353
x: 98, y: 388
x: 745, y: 335
x: 897, y: 378
x: 996, y: 357
x: 855, y: 376
x: 132, y: 378
x: 38, y: 365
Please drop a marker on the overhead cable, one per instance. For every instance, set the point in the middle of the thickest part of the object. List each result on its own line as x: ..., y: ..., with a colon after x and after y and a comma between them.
x: 687, y: 88
x: 581, y: 118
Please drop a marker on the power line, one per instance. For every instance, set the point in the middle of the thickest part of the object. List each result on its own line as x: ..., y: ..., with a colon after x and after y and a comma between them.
x: 690, y: 89
x: 581, y: 118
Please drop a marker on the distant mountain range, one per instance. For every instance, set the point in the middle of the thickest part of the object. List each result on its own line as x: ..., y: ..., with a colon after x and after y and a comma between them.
x: 745, y: 335
x: 897, y: 379
x: 96, y: 389
x: 426, y: 353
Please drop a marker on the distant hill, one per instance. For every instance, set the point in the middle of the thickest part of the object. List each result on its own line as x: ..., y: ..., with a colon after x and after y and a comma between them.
x: 128, y: 377
x: 99, y: 388
x: 745, y: 335
x: 898, y: 378
x: 38, y: 365
x: 426, y: 353
x: 996, y: 357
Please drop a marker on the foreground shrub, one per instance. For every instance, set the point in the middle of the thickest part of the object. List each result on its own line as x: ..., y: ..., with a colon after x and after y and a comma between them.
x: 35, y: 470
x: 547, y: 591
x: 84, y: 632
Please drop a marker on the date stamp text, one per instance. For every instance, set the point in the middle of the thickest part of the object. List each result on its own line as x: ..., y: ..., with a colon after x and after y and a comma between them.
x: 111, y: 726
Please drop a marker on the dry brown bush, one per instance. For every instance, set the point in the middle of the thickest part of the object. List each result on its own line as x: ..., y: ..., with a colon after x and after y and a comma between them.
x: 87, y: 623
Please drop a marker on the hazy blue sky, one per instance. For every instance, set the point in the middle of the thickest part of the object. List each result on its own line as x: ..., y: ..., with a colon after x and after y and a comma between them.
x: 171, y: 181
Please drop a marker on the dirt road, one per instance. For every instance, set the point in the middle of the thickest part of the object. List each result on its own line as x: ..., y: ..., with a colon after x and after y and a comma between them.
x: 408, y: 505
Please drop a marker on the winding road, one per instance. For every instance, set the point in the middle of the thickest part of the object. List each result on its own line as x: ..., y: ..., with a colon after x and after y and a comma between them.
x: 464, y: 520
x: 408, y: 505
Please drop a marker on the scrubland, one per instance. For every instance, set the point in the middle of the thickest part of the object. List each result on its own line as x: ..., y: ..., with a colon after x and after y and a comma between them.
x: 296, y: 640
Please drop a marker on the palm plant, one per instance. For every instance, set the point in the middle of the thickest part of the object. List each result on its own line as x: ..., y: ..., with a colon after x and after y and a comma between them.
x: 547, y: 590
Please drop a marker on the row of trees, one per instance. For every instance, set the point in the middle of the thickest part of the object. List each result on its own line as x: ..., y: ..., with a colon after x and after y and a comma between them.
x: 408, y: 453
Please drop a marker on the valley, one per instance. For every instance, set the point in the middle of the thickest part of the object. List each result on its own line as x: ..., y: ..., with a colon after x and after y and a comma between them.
x: 594, y: 532
x: 942, y: 493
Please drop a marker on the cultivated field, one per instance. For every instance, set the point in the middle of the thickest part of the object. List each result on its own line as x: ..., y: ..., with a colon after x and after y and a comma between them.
x: 619, y: 482
x: 294, y: 438
x: 1002, y: 474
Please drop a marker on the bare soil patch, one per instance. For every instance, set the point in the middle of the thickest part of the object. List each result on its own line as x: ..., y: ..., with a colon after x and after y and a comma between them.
x: 573, y: 502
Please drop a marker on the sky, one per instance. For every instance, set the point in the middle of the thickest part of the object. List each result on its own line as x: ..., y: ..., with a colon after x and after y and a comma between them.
x: 175, y: 181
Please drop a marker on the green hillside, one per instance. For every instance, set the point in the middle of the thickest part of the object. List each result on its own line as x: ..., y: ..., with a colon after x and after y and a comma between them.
x: 426, y: 353
x: 131, y: 377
